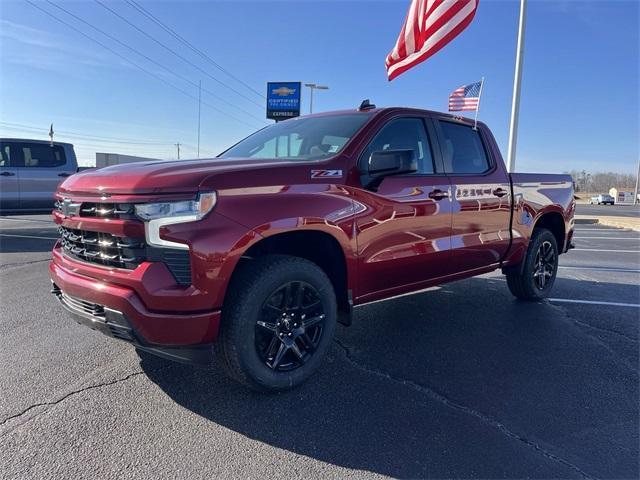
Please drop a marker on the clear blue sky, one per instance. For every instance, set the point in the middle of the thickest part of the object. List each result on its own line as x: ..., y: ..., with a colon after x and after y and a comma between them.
x: 580, y: 97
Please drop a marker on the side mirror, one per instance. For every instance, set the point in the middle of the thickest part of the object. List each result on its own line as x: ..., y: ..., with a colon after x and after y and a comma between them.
x: 392, y: 162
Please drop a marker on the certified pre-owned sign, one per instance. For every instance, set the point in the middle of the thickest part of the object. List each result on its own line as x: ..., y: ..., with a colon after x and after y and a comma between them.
x: 283, y: 100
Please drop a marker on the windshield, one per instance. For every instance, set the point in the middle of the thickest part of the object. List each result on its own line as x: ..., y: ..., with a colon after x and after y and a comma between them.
x: 304, y: 138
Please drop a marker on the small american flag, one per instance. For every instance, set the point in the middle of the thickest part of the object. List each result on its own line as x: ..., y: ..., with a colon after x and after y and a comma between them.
x: 467, y: 97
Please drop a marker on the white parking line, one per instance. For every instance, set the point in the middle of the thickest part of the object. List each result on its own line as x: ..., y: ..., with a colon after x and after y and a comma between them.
x: 602, y: 269
x: 637, y: 239
x: 594, y: 302
x: 28, y: 236
x: 602, y: 250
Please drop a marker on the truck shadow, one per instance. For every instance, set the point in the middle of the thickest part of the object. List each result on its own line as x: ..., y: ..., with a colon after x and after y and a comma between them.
x: 461, y: 382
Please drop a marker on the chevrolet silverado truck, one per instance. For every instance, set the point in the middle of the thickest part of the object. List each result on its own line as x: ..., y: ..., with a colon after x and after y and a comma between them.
x: 250, y: 259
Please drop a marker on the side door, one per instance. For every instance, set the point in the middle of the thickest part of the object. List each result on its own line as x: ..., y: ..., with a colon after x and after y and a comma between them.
x: 9, y: 177
x: 481, y: 197
x: 42, y: 168
x: 404, y: 236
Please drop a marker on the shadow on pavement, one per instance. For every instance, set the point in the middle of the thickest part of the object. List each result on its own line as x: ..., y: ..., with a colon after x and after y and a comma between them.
x: 461, y: 382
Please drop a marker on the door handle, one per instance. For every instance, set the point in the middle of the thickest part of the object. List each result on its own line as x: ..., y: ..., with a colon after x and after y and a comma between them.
x: 7, y: 174
x: 64, y: 174
x: 438, y: 194
x: 499, y: 192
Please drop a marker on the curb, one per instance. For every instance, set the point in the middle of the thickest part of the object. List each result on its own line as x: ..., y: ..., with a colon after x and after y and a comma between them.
x: 618, y: 222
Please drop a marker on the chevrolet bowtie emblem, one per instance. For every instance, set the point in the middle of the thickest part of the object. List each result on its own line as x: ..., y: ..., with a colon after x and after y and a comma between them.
x: 283, y: 91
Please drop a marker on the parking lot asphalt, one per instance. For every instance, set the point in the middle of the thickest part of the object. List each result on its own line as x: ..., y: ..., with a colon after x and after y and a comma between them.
x: 459, y: 381
x: 608, y: 210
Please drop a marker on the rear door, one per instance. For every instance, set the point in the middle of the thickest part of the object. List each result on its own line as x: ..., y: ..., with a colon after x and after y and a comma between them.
x: 404, y: 239
x: 42, y: 168
x: 481, y: 197
x: 9, y: 177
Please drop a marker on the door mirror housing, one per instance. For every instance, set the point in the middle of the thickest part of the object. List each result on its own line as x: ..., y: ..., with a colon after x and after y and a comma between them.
x: 384, y: 163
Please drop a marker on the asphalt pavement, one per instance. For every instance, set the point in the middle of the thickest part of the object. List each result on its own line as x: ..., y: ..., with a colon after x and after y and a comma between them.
x: 459, y: 381
x: 608, y: 210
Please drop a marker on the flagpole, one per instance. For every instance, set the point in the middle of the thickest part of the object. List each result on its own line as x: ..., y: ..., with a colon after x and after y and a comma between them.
x: 515, y: 104
x: 475, y: 123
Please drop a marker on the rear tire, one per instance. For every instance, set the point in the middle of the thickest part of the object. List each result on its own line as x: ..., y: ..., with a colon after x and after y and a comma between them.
x: 534, y: 278
x: 277, y: 322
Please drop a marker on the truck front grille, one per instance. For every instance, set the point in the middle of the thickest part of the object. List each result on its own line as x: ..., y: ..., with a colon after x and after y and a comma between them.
x: 103, y: 248
x: 107, y: 210
x: 123, y: 252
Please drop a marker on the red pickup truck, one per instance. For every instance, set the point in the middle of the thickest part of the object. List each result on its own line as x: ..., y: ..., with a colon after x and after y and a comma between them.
x: 249, y: 259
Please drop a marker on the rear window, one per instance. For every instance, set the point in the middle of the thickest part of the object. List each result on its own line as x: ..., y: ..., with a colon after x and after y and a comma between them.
x: 40, y: 155
x: 464, y: 152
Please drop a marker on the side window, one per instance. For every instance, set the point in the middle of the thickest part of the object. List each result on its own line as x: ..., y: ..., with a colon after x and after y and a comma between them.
x: 42, y: 155
x: 403, y: 134
x: 463, y: 150
x: 5, y: 158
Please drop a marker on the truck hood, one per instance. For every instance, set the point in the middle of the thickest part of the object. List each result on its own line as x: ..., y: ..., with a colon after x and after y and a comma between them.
x: 181, y: 176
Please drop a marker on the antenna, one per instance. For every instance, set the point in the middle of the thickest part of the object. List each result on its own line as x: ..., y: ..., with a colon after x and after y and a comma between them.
x: 366, y: 105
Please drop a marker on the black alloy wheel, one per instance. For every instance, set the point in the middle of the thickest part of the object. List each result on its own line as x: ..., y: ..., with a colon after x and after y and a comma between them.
x: 545, y: 265
x: 290, y: 326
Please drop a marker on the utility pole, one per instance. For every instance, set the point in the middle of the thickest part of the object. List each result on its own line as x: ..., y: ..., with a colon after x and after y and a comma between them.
x: 515, y: 103
x: 178, y: 147
x: 312, y: 87
x: 199, y: 107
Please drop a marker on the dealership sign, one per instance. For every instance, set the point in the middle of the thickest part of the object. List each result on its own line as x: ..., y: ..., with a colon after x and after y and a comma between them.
x: 283, y: 100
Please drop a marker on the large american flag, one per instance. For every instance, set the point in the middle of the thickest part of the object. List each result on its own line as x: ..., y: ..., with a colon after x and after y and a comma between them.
x: 466, y: 97
x: 429, y: 26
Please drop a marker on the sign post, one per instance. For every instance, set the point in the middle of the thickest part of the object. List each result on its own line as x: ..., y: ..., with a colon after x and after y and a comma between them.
x: 283, y: 100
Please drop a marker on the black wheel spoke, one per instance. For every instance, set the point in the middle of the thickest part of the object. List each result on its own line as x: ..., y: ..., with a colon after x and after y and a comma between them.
x: 306, y: 342
x: 275, y: 341
x: 272, y: 327
x: 311, y: 321
x: 296, y: 350
x: 299, y: 296
x: 286, y: 297
x: 279, y: 356
x: 311, y: 308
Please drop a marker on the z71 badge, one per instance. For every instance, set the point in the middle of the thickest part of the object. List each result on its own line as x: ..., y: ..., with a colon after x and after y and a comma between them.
x: 325, y: 173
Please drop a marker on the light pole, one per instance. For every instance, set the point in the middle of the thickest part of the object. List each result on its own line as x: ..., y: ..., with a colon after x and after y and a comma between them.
x: 312, y: 87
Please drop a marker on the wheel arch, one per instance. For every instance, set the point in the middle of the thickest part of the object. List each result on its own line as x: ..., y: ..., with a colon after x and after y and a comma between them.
x: 318, y: 246
x: 554, y: 222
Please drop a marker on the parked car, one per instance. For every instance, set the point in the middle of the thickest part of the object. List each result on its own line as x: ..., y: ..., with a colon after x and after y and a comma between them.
x: 252, y: 257
x: 602, y: 199
x: 30, y: 171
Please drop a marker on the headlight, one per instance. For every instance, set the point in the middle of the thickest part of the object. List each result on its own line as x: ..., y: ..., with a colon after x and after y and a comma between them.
x: 156, y: 215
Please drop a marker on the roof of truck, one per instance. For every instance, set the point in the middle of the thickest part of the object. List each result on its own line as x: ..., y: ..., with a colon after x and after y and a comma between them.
x: 31, y: 140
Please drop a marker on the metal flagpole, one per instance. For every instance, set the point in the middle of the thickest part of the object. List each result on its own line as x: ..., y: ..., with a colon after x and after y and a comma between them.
x: 515, y: 104
x: 475, y: 123
x: 199, y: 108
x: 635, y: 192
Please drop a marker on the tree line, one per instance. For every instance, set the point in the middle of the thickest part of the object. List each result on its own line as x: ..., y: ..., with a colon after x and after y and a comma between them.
x: 601, y: 182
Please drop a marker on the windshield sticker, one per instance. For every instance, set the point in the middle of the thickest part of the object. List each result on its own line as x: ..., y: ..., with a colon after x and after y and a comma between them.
x: 325, y: 173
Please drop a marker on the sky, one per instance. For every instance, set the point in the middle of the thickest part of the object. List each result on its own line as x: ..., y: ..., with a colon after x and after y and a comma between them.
x: 580, y: 88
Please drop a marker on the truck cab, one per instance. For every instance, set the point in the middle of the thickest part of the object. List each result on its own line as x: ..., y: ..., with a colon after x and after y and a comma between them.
x: 30, y: 172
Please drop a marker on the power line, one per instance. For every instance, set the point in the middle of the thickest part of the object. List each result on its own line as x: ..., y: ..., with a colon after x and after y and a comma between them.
x: 184, y: 41
x: 186, y: 60
x: 82, y: 135
x: 130, y: 62
x: 158, y: 64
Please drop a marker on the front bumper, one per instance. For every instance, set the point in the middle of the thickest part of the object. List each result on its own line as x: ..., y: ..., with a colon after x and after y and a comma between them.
x: 118, y: 312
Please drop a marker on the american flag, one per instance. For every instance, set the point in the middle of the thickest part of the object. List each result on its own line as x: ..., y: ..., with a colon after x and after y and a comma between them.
x: 466, y: 97
x: 429, y: 26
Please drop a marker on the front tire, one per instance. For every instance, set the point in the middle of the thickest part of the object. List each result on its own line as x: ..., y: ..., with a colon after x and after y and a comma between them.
x: 534, y: 278
x: 277, y: 322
